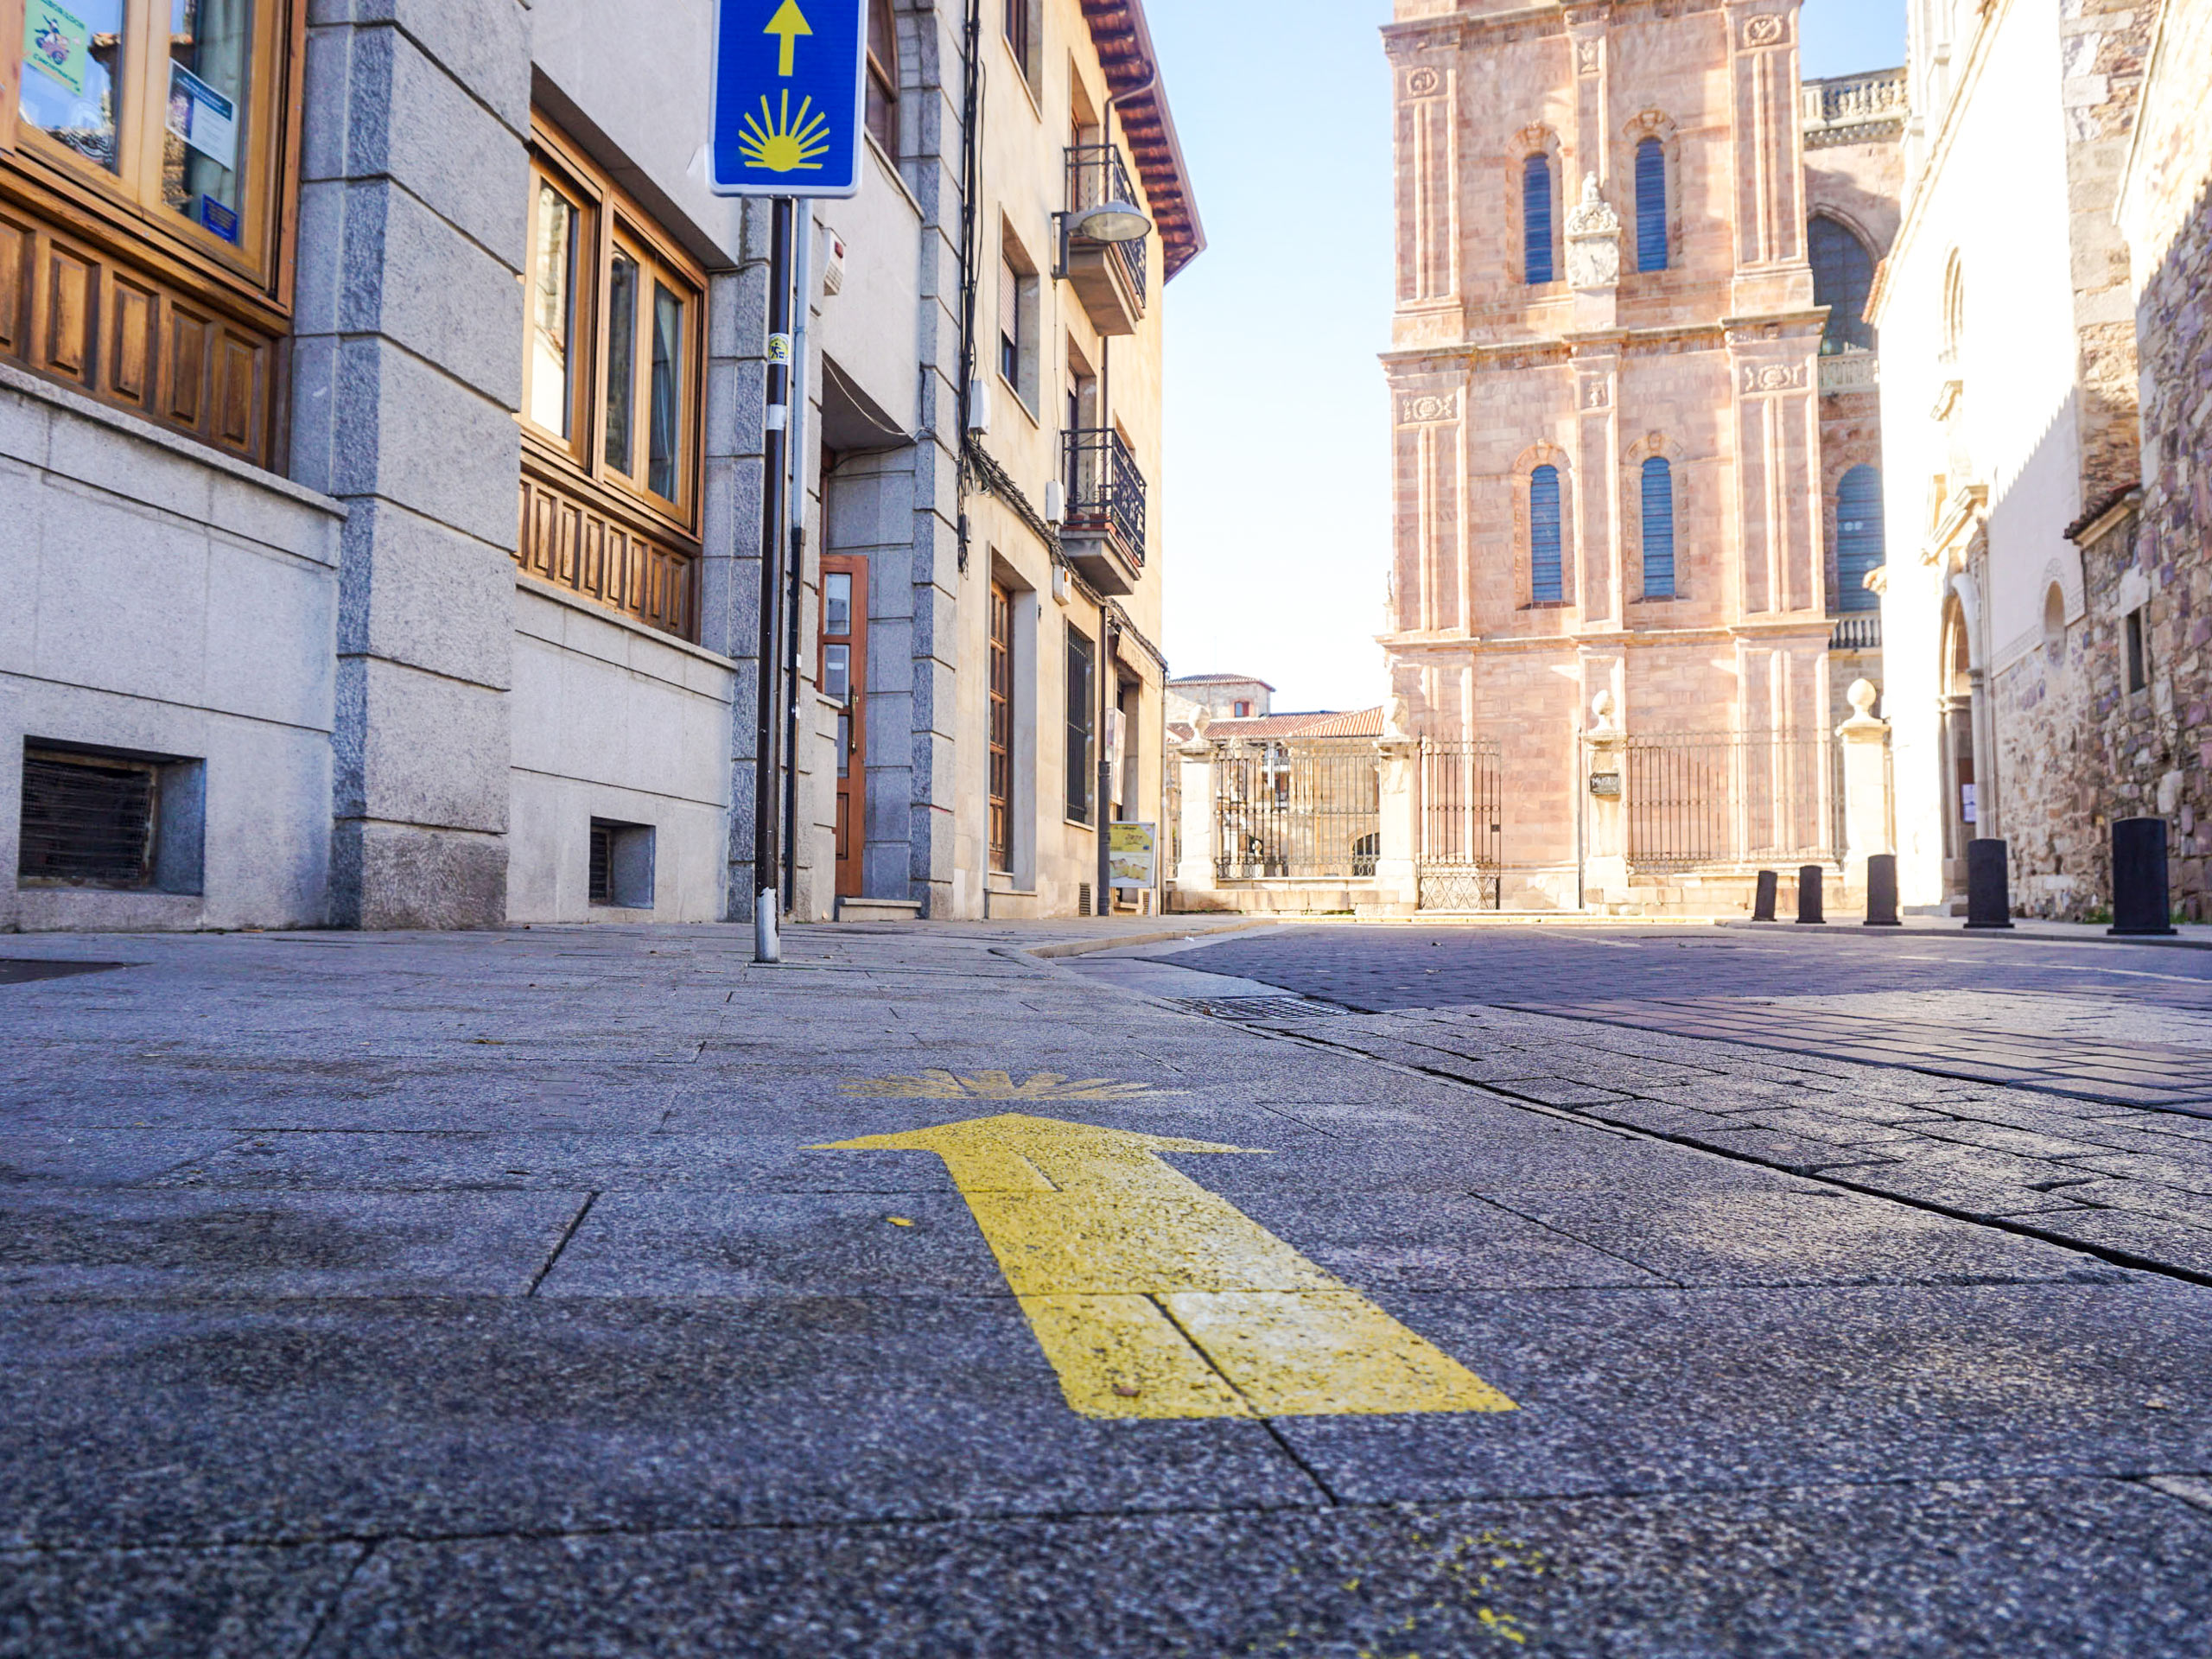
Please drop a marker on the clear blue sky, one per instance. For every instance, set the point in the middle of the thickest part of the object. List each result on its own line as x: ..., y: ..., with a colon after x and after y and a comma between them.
x: 1278, y: 445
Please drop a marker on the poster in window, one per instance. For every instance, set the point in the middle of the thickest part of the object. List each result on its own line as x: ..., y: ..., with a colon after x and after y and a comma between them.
x: 1132, y: 856
x: 203, y: 117
x: 57, y: 42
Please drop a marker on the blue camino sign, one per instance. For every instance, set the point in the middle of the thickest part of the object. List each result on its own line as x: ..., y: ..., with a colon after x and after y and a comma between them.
x: 788, y: 91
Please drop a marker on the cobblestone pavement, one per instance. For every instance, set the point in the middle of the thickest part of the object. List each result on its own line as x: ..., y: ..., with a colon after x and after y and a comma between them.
x: 2005, y: 1082
x: 592, y: 1291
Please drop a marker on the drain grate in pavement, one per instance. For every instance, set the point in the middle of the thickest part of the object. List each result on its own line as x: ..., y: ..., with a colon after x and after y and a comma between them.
x: 1259, y: 1010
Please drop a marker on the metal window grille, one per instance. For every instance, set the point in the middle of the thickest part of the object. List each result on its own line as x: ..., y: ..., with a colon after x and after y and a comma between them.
x: 1651, y: 205
x: 1536, y: 217
x: 1658, y: 530
x: 1546, y: 579
x: 1715, y: 800
x: 1002, y: 732
x: 1858, y: 538
x: 1312, y: 808
x: 88, y: 820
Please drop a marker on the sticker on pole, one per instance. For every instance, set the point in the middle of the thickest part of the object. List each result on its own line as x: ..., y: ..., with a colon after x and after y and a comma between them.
x: 788, y: 98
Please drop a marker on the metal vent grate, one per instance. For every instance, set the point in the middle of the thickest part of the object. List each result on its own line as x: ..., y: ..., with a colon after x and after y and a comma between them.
x: 1259, y: 1010
x: 602, y: 864
x: 88, y: 820
x: 1082, y: 899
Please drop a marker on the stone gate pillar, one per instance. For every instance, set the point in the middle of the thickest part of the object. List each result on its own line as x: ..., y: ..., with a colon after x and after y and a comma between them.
x: 1606, y: 856
x: 1866, y: 784
x: 1194, y: 873
x: 1397, y: 866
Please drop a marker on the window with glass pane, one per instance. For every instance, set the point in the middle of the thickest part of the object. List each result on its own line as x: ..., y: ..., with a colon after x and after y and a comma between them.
x: 667, y: 393
x: 621, y: 363
x: 552, y: 311
x: 1859, y: 547
x: 837, y: 603
x: 1843, y: 280
x: 210, y: 56
x: 75, y: 67
x: 882, y: 77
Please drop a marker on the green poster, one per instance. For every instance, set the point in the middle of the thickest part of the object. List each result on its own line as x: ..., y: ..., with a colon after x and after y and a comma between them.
x: 57, y: 40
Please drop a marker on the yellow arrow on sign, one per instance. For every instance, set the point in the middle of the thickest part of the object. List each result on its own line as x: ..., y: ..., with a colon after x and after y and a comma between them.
x: 789, y: 23
x: 1155, y: 1298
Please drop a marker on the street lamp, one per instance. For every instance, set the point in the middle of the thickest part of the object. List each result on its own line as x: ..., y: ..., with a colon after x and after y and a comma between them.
x: 1110, y: 221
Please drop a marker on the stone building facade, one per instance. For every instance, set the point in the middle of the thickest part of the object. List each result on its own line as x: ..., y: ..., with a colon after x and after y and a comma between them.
x: 2153, y: 639
x: 1612, y: 389
x: 383, y: 460
x: 2016, y: 392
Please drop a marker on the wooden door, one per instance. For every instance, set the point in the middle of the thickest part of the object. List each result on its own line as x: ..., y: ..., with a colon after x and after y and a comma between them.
x: 844, y: 681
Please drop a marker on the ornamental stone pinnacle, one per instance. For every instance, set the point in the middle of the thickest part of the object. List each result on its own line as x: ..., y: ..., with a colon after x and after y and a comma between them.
x: 1593, y: 240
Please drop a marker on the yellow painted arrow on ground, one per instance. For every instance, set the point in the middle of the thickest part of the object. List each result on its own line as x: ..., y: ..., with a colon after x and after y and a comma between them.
x: 789, y: 23
x: 1155, y: 1298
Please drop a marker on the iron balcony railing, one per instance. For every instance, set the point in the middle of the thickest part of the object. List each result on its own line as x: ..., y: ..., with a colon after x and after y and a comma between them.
x: 1096, y: 175
x: 1105, y: 489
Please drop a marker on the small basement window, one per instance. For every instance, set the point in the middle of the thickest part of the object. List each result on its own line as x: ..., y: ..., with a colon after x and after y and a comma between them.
x: 110, y: 819
x: 2138, y: 662
x: 621, y: 865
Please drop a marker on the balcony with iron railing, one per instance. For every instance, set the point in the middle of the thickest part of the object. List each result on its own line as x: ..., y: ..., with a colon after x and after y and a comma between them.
x: 1110, y: 279
x: 1104, y: 531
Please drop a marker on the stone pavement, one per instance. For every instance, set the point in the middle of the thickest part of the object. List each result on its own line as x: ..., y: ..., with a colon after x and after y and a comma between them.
x: 486, y: 1295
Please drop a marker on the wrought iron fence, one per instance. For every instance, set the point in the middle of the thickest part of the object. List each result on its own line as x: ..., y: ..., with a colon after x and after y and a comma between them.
x: 1462, y: 853
x: 1306, y: 807
x: 1701, y: 799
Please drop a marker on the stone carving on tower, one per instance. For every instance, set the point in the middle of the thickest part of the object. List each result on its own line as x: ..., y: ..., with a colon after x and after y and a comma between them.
x: 1593, y: 240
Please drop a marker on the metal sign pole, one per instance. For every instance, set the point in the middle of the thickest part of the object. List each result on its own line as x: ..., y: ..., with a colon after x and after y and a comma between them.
x: 787, y: 119
x: 768, y: 791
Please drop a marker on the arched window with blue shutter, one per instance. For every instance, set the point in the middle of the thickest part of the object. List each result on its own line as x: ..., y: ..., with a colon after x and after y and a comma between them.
x: 1658, y: 530
x: 1546, y: 583
x: 1536, y: 218
x: 1859, y: 545
x: 1843, y: 278
x: 1651, y: 205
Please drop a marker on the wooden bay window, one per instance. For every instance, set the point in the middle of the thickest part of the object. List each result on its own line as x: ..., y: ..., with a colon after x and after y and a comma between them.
x: 147, y: 166
x: 613, y: 374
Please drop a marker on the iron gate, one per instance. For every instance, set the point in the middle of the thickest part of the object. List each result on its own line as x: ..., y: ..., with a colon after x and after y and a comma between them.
x: 1306, y: 807
x: 1695, y: 800
x: 1462, y: 853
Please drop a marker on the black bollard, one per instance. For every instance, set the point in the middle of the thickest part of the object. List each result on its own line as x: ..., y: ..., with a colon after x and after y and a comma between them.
x: 1882, y: 891
x: 1989, y: 885
x: 2142, y: 906
x: 1810, y: 913
x: 1770, y: 893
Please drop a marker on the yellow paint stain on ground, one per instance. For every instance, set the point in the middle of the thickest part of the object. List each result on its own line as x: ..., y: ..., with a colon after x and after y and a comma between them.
x: 1155, y: 1297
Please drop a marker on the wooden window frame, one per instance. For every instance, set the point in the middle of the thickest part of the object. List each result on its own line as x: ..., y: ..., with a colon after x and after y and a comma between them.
x: 610, y: 219
x: 586, y: 525
x: 106, y: 290
x: 883, y: 78
x: 128, y: 201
